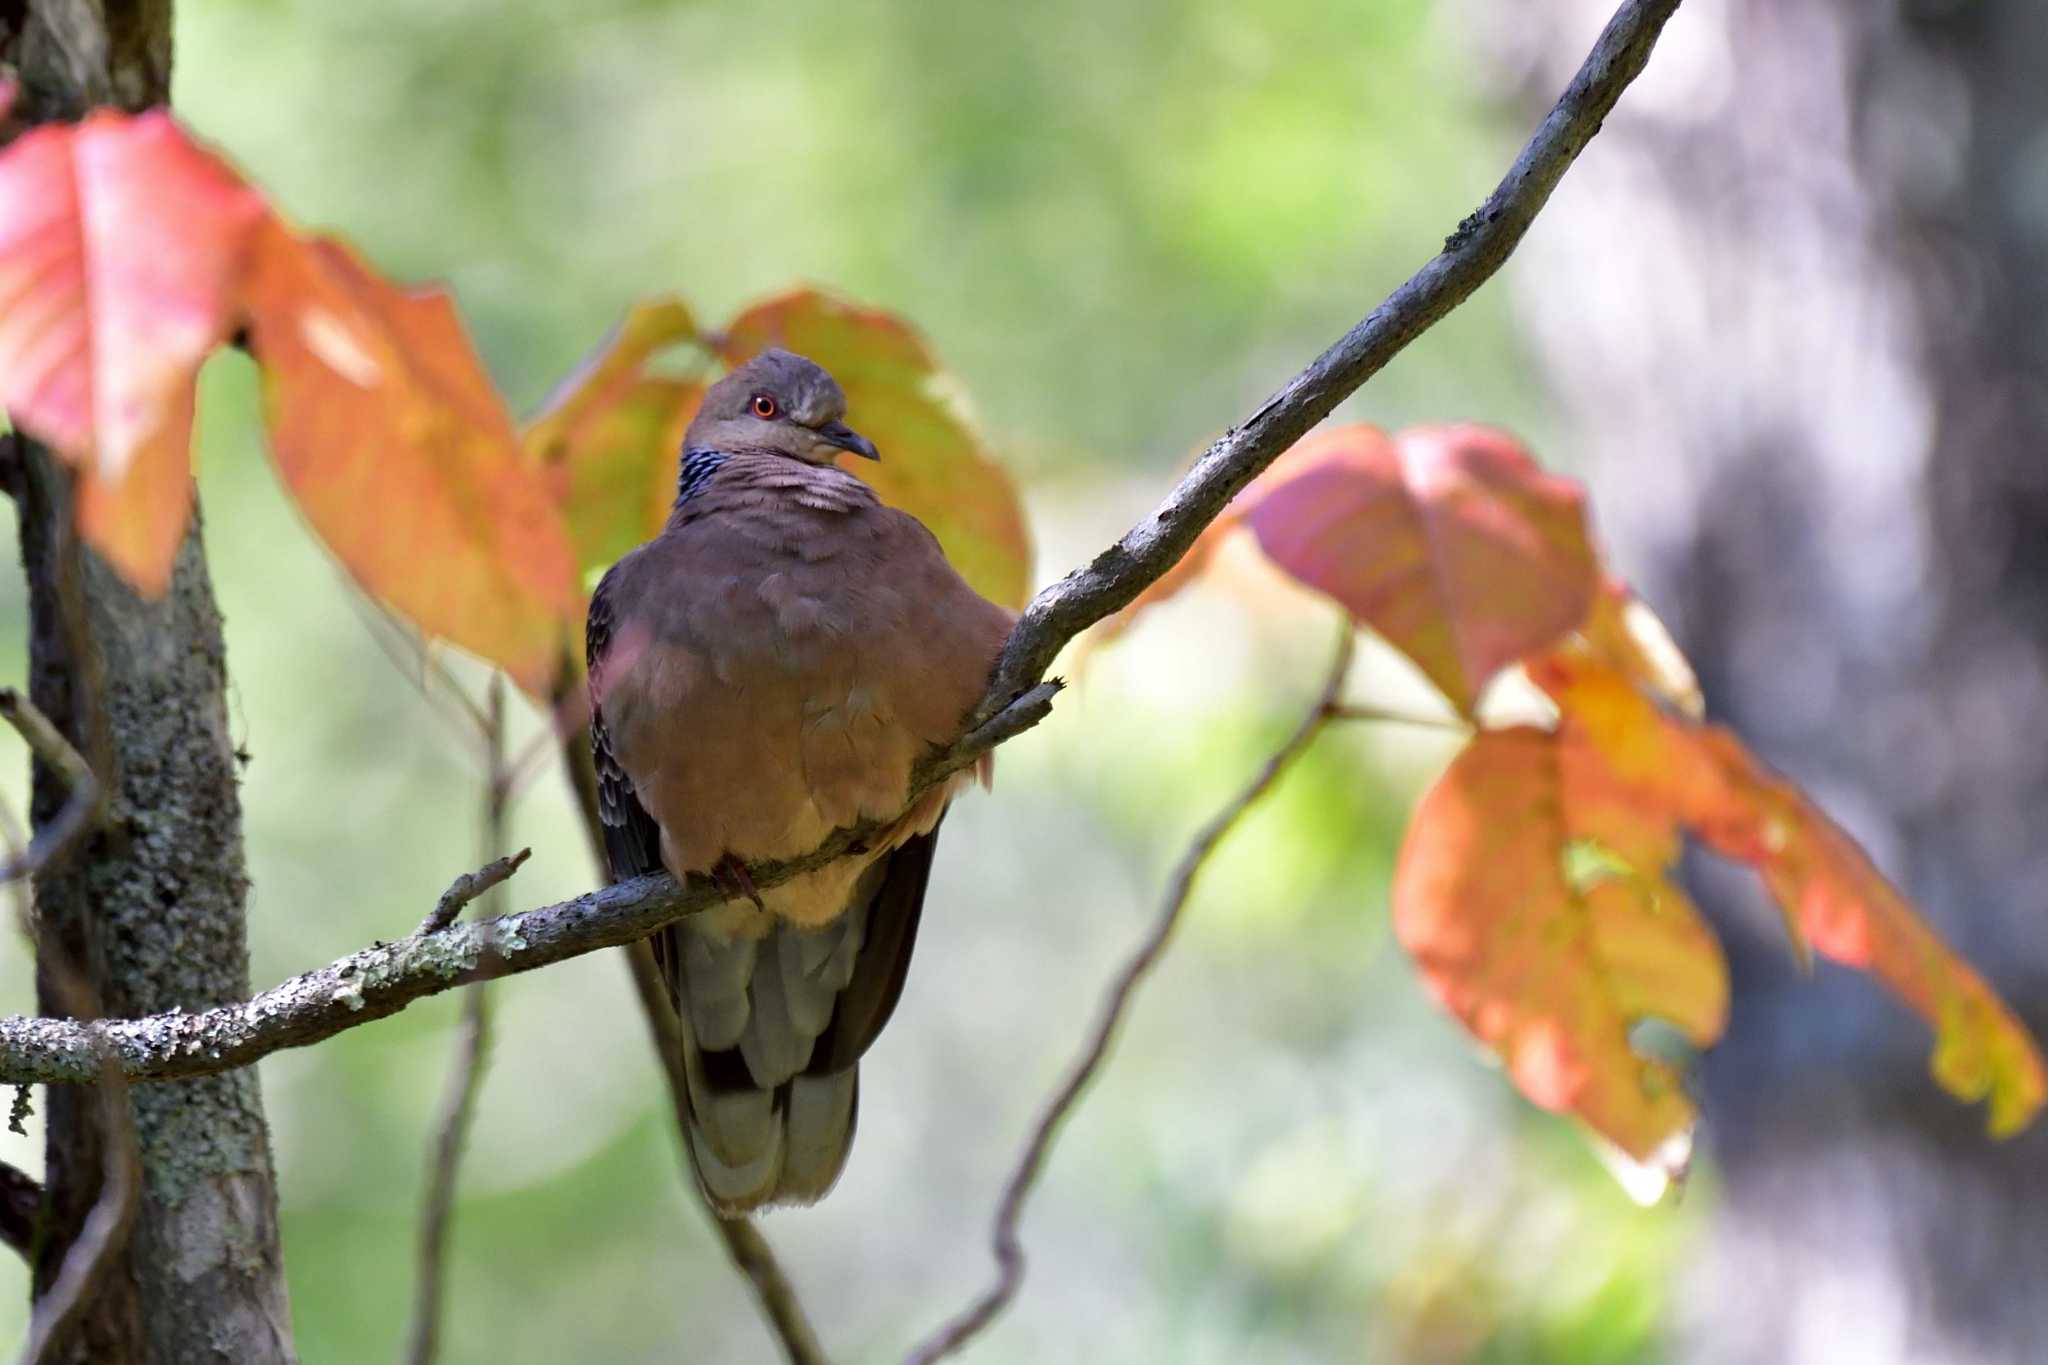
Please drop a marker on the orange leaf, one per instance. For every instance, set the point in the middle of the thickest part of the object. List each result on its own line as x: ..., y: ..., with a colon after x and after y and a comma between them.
x: 1448, y: 541
x: 1855, y: 916
x: 1623, y: 632
x: 393, y: 442
x: 1830, y: 894
x: 611, y: 433
x: 933, y: 465
x: 1550, y: 964
x: 120, y: 247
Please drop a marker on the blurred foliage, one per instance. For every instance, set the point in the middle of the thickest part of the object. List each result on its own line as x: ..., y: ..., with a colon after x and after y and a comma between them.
x: 1121, y: 225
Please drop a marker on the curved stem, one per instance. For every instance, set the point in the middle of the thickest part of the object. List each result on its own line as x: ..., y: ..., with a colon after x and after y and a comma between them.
x: 1009, y: 1250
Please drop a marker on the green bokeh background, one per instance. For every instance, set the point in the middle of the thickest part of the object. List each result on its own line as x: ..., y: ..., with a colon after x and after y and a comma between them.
x: 1121, y: 226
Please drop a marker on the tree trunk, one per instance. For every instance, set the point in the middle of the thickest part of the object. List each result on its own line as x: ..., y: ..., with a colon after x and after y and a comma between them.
x: 1792, y: 303
x: 148, y: 910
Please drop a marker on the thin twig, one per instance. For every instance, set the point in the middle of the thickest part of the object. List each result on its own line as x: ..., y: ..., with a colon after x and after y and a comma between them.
x: 1009, y: 1250
x: 382, y: 980
x: 472, y: 1045
x: 415, y: 660
x: 21, y: 1197
x: 781, y: 1309
x: 105, y: 1230
x: 21, y: 1201
x: 83, y: 798
x: 531, y: 761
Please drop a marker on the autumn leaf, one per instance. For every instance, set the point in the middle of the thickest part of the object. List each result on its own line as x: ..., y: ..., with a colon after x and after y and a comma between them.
x: 933, y: 465
x: 1448, y: 541
x: 610, y: 434
x: 1535, y: 900
x: 396, y: 447
x: 1623, y: 632
x: 1832, y: 898
x: 121, y: 246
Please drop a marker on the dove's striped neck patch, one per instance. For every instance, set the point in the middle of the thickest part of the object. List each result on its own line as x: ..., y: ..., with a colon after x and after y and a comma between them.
x: 697, y: 468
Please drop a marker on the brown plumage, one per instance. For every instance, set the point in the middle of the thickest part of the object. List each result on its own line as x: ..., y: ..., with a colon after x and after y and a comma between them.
x: 766, y: 670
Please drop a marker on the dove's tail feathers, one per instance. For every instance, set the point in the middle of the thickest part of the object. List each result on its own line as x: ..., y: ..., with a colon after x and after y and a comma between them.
x: 774, y: 1029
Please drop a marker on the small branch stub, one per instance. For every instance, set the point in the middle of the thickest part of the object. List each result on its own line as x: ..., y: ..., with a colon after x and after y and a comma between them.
x: 467, y: 888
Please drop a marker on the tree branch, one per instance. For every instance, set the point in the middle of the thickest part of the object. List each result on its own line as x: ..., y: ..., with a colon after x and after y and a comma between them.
x: 1009, y: 1251
x: 378, y: 981
x: 1470, y: 256
x: 381, y: 980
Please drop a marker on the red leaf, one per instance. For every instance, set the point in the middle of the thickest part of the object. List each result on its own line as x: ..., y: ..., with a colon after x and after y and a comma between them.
x: 1448, y: 541
x: 120, y: 248
x: 390, y: 437
x: 933, y: 465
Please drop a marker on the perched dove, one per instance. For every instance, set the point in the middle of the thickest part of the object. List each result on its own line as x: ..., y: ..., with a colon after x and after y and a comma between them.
x: 764, y: 671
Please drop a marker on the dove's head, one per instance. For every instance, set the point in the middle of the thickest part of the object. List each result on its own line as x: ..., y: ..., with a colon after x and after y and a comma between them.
x: 781, y: 404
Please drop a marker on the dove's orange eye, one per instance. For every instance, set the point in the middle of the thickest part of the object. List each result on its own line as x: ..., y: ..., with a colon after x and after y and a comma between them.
x: 764, y: 406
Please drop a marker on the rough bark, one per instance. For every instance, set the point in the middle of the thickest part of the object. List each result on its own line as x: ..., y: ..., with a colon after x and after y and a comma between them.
x: 149, y: 909
x: 1810, y: 377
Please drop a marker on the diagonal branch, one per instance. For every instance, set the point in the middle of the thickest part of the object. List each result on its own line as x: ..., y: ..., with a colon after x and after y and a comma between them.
x: 21, y: 1200
x: 1470, y: 256
x: 384, y: 979
x: 1009, y: 1251
x: 83, y: 798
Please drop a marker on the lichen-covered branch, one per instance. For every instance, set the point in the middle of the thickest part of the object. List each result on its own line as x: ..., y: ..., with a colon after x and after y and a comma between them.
x: 382, y: 980
x: 385, y: 978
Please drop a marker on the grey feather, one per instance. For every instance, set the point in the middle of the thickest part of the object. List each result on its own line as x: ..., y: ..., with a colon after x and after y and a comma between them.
x: 816, y: 965
x: 818, y: 1122
x: 714, y: 977
x: 738, y: 1125
x: 737, y: 1187
x: 774, y: 1046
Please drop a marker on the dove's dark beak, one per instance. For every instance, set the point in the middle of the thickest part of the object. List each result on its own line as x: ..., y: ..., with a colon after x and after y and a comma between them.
x: 846, y: 438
